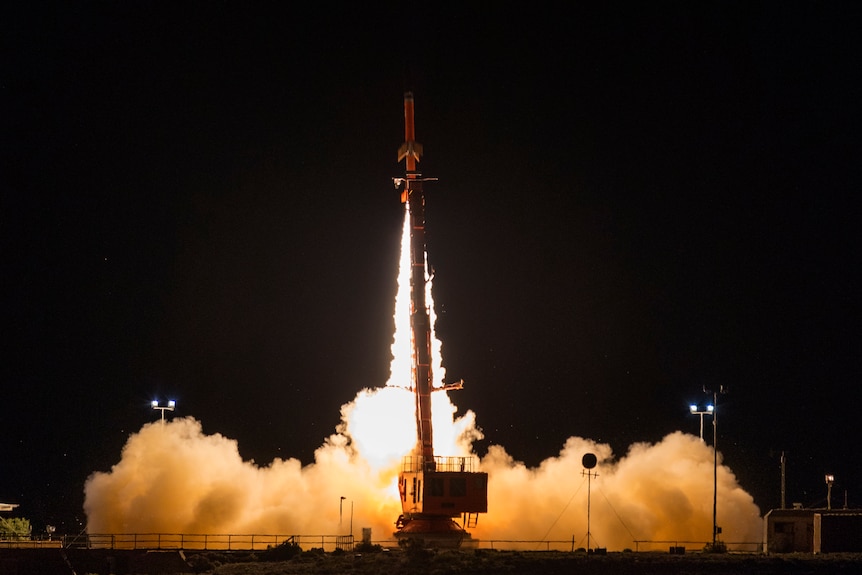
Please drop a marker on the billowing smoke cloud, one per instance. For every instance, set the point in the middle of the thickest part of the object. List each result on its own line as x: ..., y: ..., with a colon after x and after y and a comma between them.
x: 657, y: 492
x: 172, y: 478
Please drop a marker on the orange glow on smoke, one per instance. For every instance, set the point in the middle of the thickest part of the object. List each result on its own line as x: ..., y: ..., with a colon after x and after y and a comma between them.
x: 172, y: 478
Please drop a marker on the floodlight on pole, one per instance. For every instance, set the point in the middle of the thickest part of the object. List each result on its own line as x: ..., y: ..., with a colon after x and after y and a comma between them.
x: 830, y: 479
x: 340, y: 506
x: 715, y: 528
x: 163, y: 408
x: 695, y: 410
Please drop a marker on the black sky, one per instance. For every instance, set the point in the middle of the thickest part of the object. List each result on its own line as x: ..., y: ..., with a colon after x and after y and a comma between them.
x: 632, y: 204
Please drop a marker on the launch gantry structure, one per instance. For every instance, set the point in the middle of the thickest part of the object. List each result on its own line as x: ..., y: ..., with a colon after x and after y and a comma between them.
x: 434, y: 490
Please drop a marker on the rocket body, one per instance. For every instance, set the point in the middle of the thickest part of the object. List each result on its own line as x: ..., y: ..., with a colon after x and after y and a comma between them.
x: 420, y: 321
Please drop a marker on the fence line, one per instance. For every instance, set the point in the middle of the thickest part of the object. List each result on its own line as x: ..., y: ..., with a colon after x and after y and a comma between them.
x: 31, y: 543
x: 733, y: 546
x: 261, y: 542
x: 205, y: 542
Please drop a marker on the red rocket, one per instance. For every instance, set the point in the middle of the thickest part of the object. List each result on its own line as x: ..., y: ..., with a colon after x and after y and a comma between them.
x: 420, y: 322
x: 410, y: 149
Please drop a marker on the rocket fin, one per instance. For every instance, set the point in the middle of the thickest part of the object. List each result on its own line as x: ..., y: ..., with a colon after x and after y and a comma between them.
x: 412, y: 149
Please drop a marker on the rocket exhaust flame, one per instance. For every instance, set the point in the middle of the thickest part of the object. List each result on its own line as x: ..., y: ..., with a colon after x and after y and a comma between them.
x: 173, y: 478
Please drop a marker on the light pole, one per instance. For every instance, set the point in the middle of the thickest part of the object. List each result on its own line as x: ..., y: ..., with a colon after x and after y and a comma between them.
x: 715, y: 528
x: 163, y: 408
x: 695, y: 410
x: 340, y: 504
x: 830, y: 479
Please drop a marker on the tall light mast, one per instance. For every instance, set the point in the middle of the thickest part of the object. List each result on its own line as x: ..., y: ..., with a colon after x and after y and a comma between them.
x: 434, y: 490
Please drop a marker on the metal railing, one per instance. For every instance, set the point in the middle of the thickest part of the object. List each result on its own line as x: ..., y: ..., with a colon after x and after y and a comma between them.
x: 18, y: 543
x: 329, y: 543
x: 416, y: 463
x: 664, y: 544
x: 206, y: 542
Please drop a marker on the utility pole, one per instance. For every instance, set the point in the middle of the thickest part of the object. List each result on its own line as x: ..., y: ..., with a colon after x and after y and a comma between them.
x: 589, y: 461
x: 783, y: 481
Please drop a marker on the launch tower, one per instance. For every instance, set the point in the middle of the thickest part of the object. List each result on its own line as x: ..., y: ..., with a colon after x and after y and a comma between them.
x: 434, y: 490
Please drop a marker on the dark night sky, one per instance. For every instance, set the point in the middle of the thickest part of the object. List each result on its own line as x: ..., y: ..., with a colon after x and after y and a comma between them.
x: 632, y: 204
